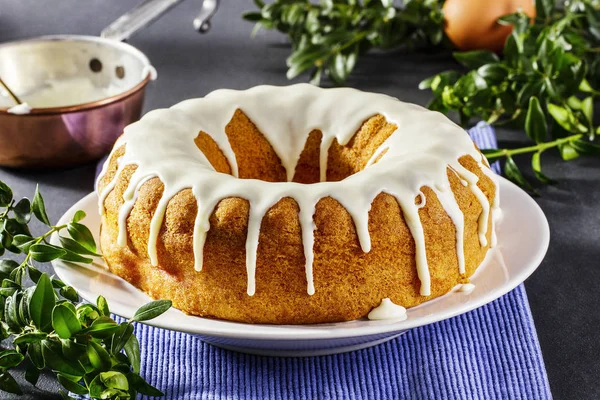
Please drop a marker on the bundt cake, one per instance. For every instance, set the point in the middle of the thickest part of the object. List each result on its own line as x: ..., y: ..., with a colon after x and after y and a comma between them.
x: 295, y: 205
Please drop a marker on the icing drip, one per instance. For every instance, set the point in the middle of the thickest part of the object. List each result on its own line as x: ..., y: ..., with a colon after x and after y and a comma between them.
x: 387, y: 310
x: 162, y: 145
x: 496, y: 211
x: 308, y: 241
x: 448, y: 201
x: 251, y: 248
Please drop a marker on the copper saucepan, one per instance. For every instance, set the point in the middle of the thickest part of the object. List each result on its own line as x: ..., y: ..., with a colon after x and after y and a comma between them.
x: 73, y: 134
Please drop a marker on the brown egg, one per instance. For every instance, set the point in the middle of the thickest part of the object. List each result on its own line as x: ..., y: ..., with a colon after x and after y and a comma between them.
x: 471, y: 24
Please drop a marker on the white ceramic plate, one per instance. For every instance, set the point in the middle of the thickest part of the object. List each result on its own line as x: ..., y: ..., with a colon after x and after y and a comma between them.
x: 523, y: 237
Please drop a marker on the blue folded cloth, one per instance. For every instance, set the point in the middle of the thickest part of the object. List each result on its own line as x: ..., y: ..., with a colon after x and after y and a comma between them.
x: 489, y: 353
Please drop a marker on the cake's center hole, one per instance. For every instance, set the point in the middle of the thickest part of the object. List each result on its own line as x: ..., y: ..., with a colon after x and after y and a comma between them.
x: 256, y: 158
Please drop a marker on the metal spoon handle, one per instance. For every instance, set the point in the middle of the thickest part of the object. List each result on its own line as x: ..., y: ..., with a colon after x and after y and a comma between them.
x: 10, y: 92
x: 137, y: 18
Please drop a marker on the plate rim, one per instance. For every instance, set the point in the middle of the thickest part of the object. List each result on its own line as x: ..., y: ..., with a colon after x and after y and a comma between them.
x: 234, y: 330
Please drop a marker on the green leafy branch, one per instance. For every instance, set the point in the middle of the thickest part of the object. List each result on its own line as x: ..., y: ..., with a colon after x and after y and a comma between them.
x: 546, y: 83
x: 88, y: 351
x: 329, y: 37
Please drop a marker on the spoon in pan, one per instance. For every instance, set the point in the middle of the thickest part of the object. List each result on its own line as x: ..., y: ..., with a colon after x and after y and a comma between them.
x: 11, y: 94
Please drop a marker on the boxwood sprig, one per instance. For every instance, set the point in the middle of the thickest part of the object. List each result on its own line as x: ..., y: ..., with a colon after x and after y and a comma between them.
x: 88, y: 351
x: 546, y: 84
x: 328, y: 37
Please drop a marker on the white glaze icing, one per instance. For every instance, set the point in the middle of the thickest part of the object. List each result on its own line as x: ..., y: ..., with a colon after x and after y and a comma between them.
x: 466, y: 288
x: 387, y: 310
x: 417, y: 154
x: 20, y: 109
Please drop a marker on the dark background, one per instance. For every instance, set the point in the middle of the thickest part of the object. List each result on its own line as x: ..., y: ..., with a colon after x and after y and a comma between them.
x: 563, y: 293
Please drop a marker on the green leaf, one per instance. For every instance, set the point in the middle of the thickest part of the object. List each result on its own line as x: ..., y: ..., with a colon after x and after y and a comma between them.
x: 23, y: 242
x: 6, y: 239
x: 142, y: 386
x: 339, y: 65
x: 132, y: 350
x: 513, y: 47
x: 73, y: 257
x: 57, y: 362
x: 566, y: 119
x: 537, y: 169
x: 34, y: 273
x: 34, y: 352
x: 583, y: 147
x: 9, y: 384
x: 15, y: 228
x: 252, y: 16
x: 72, y: 349
x: 71, y: 386
x: 46, y: 252
x: 87, y: 313
x: 567, y: 152
x: 493, y: 72
x: 10, y: 312
x: 30, y: 337
x: 69, y: 293
x: 4, y: 331
x: 151, y: 310
x: 32, y: 374
x: 65, y: 322
x: 75, y: 247
x: 10, y: 359
x: 6, y: 195
x: 79, y: 215
x: 7, y: 266
x: 103, y: 327
x: 426, y: 83
x: 512, y: 172
x: 114, y: 380
x: 22, y: 211
x: 584, y: 86
x: 544, y: 8
x: 38, y: 207
x: 351, y: 61
x: 315, y: 78
x: 103, y: 305
x: 519, y: 20
x: 475, y: 58
x: 57, y: 283
x: 42, y: 303
x: 17, y: 275
x: 587, y: 107
x: 96, y: 387
x: 98, y: 356
x: 82, y: 235
x: 535, y: 121
x: 121, y: 337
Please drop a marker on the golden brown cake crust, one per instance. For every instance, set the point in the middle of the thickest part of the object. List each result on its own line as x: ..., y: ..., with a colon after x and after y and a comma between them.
x: 348, y: 282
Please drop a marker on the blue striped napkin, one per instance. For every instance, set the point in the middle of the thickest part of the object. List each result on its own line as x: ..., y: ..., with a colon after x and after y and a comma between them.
x: 489, y: 353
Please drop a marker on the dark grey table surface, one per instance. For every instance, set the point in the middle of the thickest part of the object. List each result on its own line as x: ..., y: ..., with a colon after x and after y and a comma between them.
x: 563, y: 293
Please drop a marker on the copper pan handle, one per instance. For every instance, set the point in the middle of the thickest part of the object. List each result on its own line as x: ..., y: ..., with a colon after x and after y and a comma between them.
x: 148, y: 11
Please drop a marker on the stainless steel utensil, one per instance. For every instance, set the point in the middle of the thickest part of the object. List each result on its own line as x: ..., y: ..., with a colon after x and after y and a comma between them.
x: 149, y: 11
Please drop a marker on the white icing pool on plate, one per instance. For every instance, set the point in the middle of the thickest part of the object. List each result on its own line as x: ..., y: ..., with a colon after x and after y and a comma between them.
x: 387, y: 310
